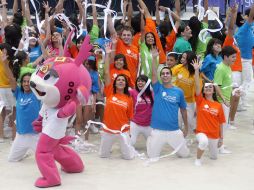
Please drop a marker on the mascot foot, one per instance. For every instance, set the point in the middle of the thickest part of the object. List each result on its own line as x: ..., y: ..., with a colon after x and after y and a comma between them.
x: 43, y: 183
x: 76, y: 170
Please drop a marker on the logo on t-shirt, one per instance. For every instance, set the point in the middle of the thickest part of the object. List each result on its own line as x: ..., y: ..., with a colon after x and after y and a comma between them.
x: 168, y: 98
x: 115, y: 100
x: 212, y: 111
x: 24, y: 102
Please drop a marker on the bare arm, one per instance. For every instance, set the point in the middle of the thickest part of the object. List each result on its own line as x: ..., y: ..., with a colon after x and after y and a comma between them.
x: 233, y: 13
x: 129, y: 13
x: 196, y: 65
x: 107, y: 77
x: 94, y: 11
x: 111, y: 27
x: 125, y: 3
x: 185, y: 121
x: 250, y: 18
x: 59, y: 7
x: 27, y: 14
x: 157, y: 13
x: 113, y: 51
x: 205, y: 19
x: 155, y: 55
x: 15, y: 6
x: 144, y: 7
x: 48, y: 29
x: 4, y: 13
x: 142, y: 24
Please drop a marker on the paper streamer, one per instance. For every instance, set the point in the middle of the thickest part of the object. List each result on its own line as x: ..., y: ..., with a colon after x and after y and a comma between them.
x: 36, y: 16
x: 201, y: 11
x: 171, y: 19
x: 204, y: 32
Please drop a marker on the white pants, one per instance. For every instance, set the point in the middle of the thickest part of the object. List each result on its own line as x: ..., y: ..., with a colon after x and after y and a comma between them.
x: 20, y: 146
x: 136, y: 129
x: 107, y: 140
x: 226, y: 111
x: 159, y: 138
x: 191, y: 108
x: 204, y: 141
x: 7, y: 99
x: 247, y: 76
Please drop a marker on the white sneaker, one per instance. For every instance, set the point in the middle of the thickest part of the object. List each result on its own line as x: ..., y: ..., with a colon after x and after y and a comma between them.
x: 198, y: 162
x: 232, y: 127
x: 87, y: 144
x: 222, y: 150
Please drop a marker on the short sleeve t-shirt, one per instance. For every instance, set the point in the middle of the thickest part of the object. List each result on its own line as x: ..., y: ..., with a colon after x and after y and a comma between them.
x: 27, y: 110
x: 167, y: 102
x: 4, y: 80
x: 131, y: 54
x: 210, y: 116
x: 182, y: 45
x: 94, y: 33
x: 184, y: 81
x: 223, y: 78
x: 209, y: 65
x: 245, y: 40
x: 237, y: 66
x: 34, y: 53
x: 142, y: 109
x: 118, y: 110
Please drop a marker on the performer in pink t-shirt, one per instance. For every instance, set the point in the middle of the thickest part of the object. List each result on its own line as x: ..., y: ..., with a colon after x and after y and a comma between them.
x: 143, y: 102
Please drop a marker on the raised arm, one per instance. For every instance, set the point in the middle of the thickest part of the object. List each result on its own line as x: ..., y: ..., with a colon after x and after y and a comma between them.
x: 15, y: 6
x: 107, y: 77
x: 111, y: 27
x: 4, y: 13
x: 142, y: 24
x: 59, y: 7
x: 196, y: 65
x: 48, y: 29
x: 155, y: 54
x: 157, y: 13
x: 233, y: 14
x: 250, y: 19
x: 144, y: 7
x: 94, y: 12
x: 205, y: 19
x: 27, y: 13
x: 129, y: 13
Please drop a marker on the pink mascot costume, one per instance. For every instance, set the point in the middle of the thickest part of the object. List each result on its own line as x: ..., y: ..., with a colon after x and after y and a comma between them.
x: 61, y: 83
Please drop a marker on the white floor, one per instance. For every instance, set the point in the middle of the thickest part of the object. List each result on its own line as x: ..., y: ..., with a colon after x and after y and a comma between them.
x: 229, y: 172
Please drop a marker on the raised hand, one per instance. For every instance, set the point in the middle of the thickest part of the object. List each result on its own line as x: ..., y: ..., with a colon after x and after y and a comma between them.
x: 108, y: 48
x: 196, y: 64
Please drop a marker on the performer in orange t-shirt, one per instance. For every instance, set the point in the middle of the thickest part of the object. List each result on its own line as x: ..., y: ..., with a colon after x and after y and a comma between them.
x: 210, y: 117
x: 118, y: 112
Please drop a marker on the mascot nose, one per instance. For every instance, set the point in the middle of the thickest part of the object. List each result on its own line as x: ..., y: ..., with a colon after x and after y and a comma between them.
x: 32, y: 84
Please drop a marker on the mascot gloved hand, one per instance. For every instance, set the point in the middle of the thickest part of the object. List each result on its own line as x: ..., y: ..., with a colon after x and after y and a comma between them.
x: 61, y: 84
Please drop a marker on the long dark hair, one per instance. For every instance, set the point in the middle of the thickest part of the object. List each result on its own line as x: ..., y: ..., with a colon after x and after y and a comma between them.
x: 13, y: 34
x: 195, y: 26
x: 154, y: 44
x: 119, y: 56
x: 190, y: 57
x: 20, y: 58
x: 21, y: 80
x: 209, y: 49
x: 147, y: 92
x: 126, y: 88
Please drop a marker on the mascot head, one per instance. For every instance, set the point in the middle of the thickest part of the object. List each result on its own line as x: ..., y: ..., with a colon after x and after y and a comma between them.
x: 62, y: 79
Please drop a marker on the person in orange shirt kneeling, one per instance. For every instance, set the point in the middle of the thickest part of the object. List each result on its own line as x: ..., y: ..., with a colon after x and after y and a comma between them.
x: 210, y: 117
x: 117, y: 115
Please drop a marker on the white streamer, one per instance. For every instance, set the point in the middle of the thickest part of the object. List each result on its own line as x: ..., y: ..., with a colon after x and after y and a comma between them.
x: 171, y: 19
x: 201, y: 11
x: 204, y: 32
x: 36, y: 16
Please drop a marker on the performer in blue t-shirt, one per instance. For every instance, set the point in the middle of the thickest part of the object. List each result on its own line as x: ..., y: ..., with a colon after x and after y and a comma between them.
x: 167, y: 101
x: 27, y: 110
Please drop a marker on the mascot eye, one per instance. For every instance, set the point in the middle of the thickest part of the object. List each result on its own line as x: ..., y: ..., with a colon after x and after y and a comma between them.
x: 47, y: 76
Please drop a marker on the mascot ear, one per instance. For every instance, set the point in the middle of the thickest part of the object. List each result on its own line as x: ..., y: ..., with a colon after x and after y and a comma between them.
x: 82, y: 95
x: 70, y: 36
x: 84, y: 51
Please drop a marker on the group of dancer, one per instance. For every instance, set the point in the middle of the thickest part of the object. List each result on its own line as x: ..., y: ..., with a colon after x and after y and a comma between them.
x: 165, y: 84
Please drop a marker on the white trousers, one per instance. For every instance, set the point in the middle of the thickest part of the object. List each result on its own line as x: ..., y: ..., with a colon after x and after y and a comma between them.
x: 136, y: 129
x: 20, y: 146
x: 191, y: 109
x: 247, y: 76
x: 107, y: 141
x: 159, y: 138
x: 204, y: 141
x: 226, y: 111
